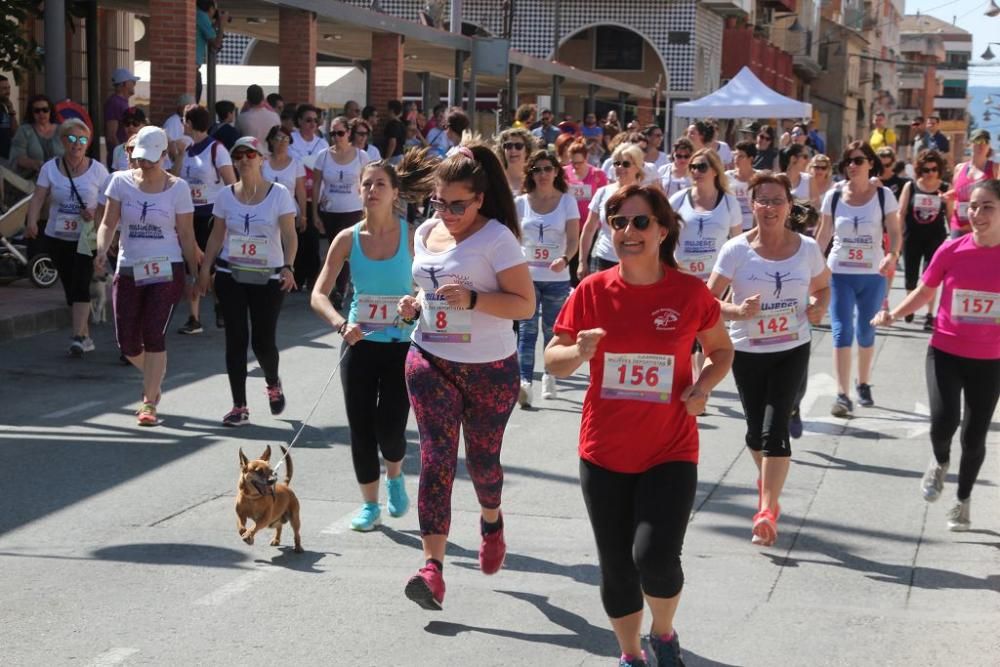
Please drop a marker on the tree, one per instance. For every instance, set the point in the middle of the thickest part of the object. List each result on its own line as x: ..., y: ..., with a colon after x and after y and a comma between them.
x: 19, y: 52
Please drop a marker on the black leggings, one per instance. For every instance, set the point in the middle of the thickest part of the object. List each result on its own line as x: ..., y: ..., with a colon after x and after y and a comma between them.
x: 75, y: 270
x: 263, y: 303
x: 378, y: 405
x: 334, y: 223
x: 948, y: 377
x: 307, y: 262
x: 639, y: 521
x: 917, y: 249
x: 769, y: 383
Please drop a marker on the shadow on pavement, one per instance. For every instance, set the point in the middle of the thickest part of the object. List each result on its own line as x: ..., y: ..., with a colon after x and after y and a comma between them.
x: 155, y: 553
x: 839, y: 463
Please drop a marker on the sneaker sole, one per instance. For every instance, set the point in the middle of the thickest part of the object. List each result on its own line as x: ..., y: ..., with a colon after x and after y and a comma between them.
x: 490, y: 573
x: 959, y: 527
x: 367, y: 529
x: 418, y: 591
x: 840, y: 411
x: 278, y: 411
x: 399, y: 515
x: 76, y: 352
x: 236, y: 424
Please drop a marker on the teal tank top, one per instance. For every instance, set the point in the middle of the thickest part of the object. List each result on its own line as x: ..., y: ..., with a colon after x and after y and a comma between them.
x: 378, y: 286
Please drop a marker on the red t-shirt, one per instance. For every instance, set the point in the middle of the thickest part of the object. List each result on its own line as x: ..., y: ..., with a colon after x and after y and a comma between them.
x: 629, y: 424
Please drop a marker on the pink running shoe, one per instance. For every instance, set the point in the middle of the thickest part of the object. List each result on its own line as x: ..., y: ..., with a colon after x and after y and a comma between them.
x: 426, y: 587
x: 765, y: 528
x: 492, y: 551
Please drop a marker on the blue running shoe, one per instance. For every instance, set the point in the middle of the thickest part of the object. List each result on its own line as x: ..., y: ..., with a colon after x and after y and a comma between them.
x: 668, y: 653
x: 366, y: 519
x: 398, y: 503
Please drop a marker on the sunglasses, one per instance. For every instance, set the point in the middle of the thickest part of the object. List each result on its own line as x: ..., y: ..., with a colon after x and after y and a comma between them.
x: 624, y: 164
x: 929, y: 170
x: 856, y: 161
x: 682, y: 156
x: 40, y: 110
x: 244, y: 155
x: 281, y: 138
x: 821, y: 167
x: 338, y: 133
x: 620, y: 222
x: 455, y: 207
x: 74, y: 139
x: 980, y: 142
x: 700, y: 167
x: 132, y: 123
x: 361, y: 134
x: 764, y: 137
x: 513, y: 146
x: 310, y: 119
x: 548, y: 169
x: 772, y: 203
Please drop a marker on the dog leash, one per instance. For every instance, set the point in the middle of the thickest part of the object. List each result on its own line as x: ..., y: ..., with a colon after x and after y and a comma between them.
x: 305, y: 422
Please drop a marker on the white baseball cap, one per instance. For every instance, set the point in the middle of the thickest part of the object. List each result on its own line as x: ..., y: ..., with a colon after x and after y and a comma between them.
x: 121, y: 75
x: 150, y: 144
x: 253, y: 143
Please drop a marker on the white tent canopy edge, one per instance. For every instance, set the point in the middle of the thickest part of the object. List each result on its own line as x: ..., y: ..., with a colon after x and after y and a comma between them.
x: 744, y: 96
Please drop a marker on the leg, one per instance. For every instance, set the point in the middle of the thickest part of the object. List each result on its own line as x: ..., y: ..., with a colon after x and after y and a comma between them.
x: 360, y: 383
x: 526, y: 339
x: 307, y: 256
x: 554, y: 295
x: 842, y: 304
x: 437, y: 406
x: 751, y: 384
x: 158, y: 302
x: 393, y: 409
x: 610, y: 498
x: 981, y: 387
x: 83, y: 272
x: 202, y: 230
x: 490, y: 392
x: 233, y: 300
x: 944, y: 390
x: 869, y: 302
x: 265, y: 306
x: 782, y: 386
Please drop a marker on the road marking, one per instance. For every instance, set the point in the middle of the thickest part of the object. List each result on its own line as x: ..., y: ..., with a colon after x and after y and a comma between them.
x: 65, y: 412
x: 235, y: 587
x: 339, y: 525
x: 820, y: 384
x: 114, y: 656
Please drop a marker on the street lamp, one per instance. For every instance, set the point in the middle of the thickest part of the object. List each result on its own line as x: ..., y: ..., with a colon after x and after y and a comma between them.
x: 988, y: 53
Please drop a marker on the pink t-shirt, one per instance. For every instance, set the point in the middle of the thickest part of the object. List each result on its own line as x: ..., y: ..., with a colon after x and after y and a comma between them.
x: 968, y: 321
x: 582, y: 190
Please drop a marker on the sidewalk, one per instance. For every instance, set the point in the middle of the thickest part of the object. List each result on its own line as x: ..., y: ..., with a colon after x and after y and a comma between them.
x: 26, y: 310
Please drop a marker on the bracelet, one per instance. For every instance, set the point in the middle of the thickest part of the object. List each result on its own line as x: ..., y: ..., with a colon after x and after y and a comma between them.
x: 473, y: 297
x: 564, y: 258
x: 342, y: 328
x: 416, y: 316
x: 287, y: 266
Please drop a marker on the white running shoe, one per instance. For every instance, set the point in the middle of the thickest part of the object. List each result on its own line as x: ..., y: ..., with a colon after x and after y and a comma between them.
x: 524, y: 396
x: 958, y: 516
x: 933, y: 482
x: 549, y: 389
x: 88, y: 344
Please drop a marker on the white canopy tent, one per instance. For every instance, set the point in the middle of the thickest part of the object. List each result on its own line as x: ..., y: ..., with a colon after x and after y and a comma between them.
x: 745, y: 96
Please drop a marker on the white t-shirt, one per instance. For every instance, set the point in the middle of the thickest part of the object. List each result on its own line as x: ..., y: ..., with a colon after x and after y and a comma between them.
x: 202, y: 175
x: 603, y: 246
x: 783, y: 287
x: 341, y: 182
x: 257, y: 221
x: 725, y: 154
x: 661, y: 159
x: 543, y: 236
x: 257, y: 122
x: 801, y: 191
x: 148, y: 221
x: 286, y: 176
x: 174, y: 127
x: 65, y: 222
x: 703, y: 233
x: 439, y: 141
x: 302, y: 149
x: 857, y: 233
x: 462, y: 335
x: 374, y: 154
x: 670, y: 183
x: 741, y: 190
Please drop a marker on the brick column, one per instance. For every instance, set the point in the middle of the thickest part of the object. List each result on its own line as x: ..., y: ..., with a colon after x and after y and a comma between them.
x: 171, y: 45
x: 644, y: 111
x: 386, y: 71
x: 297, y: 55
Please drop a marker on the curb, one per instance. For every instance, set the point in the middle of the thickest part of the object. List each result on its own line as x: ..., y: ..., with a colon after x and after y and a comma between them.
x: 29, y: 324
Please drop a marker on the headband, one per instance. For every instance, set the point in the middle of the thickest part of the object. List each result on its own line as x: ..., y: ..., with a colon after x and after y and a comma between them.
x: 467, y: 152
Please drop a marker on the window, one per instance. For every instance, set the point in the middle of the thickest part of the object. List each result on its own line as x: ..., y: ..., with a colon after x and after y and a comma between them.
x: 617, y: 49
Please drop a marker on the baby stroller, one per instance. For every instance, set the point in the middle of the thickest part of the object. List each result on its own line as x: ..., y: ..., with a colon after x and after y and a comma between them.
x: 16, y: 257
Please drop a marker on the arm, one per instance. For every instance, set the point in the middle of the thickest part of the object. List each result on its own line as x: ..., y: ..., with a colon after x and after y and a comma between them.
x: 189, y: 247
x: 895, y: 242
x: 572, y: 245
x: 316, y: 194
x: 904, y: 196
x: 717, y: 284
x: 212, y: 250
x: 718, y: 360
x: 300, y: 199
x: 19, y: 151
x: 289, y: 246
x: 586, y: 241
x: 819, y: 297
x: 824, y: 232
x: 34, y: 210
x: 106, y: 233
x: 564, y: 354
x: 913, y: 302
x: 340, y: 250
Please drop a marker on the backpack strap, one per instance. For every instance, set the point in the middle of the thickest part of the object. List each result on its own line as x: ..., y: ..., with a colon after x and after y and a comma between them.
x: 833, y: 203
x: 881, y: 202
x: 215, y: 151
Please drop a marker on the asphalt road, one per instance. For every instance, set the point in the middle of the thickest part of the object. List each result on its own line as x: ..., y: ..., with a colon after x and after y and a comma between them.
x: 118, y: 545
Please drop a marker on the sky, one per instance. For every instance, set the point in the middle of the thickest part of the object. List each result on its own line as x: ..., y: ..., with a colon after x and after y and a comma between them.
x: 969, y: 14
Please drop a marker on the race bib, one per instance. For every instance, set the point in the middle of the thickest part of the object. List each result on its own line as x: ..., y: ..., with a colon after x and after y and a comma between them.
x: 856, y: 255
x: 248, y: 250
x: 152, y: 270
x: 963, y: 210
x: 440, y: 323
x: 376, y: 313
x: 776, y: 326
x: 580, y: 191
x: 66, y: 226
x: 540, y: 254
x: 974, y: 307
x: 698, y: 257
x: 198, y: 194
x: 926, y: 208
x: 638, y: 377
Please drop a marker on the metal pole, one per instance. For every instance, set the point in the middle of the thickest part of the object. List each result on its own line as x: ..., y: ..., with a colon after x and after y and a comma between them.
x: 556, y: 84
x: 210, y: 81
x: 425, y: 93
x: 512, y: 94
x: 94, y: 78
x: 592, y: 98
x: 471, y: 107
x: 455, y: 26
x: 55, y: 49
x: 556, y: 25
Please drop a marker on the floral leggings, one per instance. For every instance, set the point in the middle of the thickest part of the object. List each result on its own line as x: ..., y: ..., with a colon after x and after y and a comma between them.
x: 447, y: 395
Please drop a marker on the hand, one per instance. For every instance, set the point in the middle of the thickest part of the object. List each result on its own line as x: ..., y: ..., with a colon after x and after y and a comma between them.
x: 100, y: 263
x: 814, y: 313
x: 31, y: 231
x: 883, y: 318
x: 558, y: 265
x: 199, y: 255
x: 204, y: 281
x: 750, y: 307
x: 887, y: 264
x: 318, y: 224
x: 582, y: 270
x: 287, y: 280
x: 408, y: 308
x: 694, y: 400
x: 456, y: 296
x: 950, y: 195
x: 300, y: 224
x: 87, y: 214
x: 352, y: 333
x: 587, y: 341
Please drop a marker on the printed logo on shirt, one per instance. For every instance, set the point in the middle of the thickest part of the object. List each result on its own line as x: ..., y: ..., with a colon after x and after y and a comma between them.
x: 433, y: 273
x: 666, y: 319
x: 778, y: 279
x: 144, y: 228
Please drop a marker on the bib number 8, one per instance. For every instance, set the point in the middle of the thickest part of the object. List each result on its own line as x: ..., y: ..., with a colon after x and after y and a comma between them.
x: 441, y: 321
x: 650, y: 376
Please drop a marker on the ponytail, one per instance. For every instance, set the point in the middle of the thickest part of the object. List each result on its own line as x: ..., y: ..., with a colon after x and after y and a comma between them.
x: 475, y: 164
x: 413, y: 176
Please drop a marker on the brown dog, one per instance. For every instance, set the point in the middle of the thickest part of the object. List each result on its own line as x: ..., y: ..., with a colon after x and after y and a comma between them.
x: 261, y: 498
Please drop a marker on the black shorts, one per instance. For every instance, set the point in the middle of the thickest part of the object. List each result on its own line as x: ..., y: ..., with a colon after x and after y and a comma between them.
x: 75, y: 269
x: 203, y: 227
